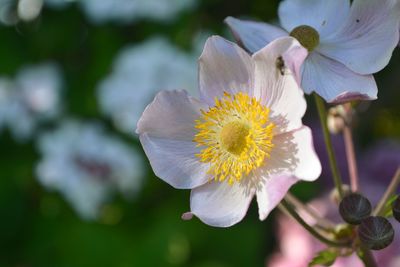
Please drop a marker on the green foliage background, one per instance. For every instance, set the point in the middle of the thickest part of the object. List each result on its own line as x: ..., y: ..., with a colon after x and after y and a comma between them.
x: 39, y: 229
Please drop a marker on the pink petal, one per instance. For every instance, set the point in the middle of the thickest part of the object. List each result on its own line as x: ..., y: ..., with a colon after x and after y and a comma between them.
x: 166, y: 130
x: 220, y: 204
x: 224, y: 67
x: 366, y: 41
x: 253, y: 35
x: 323, y: 15
x: 276, y: 86
x: 271, y: 193
x: 335, y: 82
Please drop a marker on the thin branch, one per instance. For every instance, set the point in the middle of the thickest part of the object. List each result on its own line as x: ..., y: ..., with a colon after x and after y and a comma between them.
x: 333, y: 243
x: 322, y: 222
x: 328, y: 142
x: 367, y: 257
x: 351, y: 158
x: 379, y: 209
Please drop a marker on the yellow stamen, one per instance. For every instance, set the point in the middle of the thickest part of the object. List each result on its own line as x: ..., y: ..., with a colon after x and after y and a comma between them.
x: 235, y: 136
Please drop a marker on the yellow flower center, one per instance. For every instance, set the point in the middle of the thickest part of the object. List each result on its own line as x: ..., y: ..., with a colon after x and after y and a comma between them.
x: 307, y: 36
x: 233, y: 137
x: 236, y: 136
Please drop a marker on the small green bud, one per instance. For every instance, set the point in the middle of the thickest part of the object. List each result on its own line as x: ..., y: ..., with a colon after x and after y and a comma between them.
x: 396, y: 209
x: 307, y: 36
x: 376, y: 232
x: 354, y: 208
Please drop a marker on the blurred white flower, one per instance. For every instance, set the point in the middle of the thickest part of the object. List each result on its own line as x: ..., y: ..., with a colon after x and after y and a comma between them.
x: 125, y: 11
x: 5, y: 92
x: 12, y: 11
x: 29, y: 9
x: 32, y: 98
x: 8, y: 12
x: 85, y: 165
x: 139, y: 72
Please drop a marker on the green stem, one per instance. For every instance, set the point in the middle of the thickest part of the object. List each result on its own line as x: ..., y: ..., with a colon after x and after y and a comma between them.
x: 389, y: 192
x: 328, y: 143
x: 289, y: 209
x: 367, y: 257
x: 323, y: 223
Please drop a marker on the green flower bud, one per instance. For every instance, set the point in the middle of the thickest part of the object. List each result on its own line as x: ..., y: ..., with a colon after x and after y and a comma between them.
x: 307, y: 36
x: 396, y: 209
x: 354, y: 208
x: 376, y: 232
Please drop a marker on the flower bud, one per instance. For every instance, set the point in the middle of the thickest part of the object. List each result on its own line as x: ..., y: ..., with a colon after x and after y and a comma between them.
x: 354, y: 208
x: 338, y: 118
x: 187, y: 216
x: 396, y: 209
x: 334, y: 195
x: 376, y: 232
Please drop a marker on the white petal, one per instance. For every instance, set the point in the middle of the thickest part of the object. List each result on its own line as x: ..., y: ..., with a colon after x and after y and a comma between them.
x: 323, y: 15
x: 276, y: 86
x: 272, y: 191
x: 166, y: 130
x: 174, y: 161
x: 366, y: 41
x: 297, y: 149
x: 335, y: 82
x: 171, y: 115
x: 220, y: 204
x: 224, y: 67
x: 253, y: 35
x: 293, y: 154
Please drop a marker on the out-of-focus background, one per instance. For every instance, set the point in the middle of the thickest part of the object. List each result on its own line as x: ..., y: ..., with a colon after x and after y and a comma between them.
x: 75, y: 186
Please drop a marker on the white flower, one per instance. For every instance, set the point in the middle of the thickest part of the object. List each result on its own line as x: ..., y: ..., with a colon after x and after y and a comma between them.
x: 347, y: 43
x: 8, y: 13
x: 126, y: 11
x: 139, y: 72
x: 86, y: 166
x: 32, y: 98
x: 12, y: 11
x: 243, y: 138
x: 5, y: 91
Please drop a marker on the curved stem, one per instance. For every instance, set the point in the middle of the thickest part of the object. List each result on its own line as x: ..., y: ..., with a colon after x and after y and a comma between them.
x: 328, y: 142
x: 367, y: 257
x: 289, y: 209
x: 323, y: 223
x: 389, y: 192
x: 351, y: 158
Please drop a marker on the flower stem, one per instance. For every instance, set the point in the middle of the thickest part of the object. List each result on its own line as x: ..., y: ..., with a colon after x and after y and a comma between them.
x: 323, y: 223
x: 328, y: 143
x: 287, y: 207
x: 351, y: 158
x: 367, y: 257
x: 379, y: 209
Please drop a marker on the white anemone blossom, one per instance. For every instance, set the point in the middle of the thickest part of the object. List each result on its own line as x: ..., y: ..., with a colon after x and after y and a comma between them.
x: 139, y: 72
x: 126, y: 11
x: 32, y: 98
x: 86, y: 166
x: 347, y: 42
x: 244, y: 137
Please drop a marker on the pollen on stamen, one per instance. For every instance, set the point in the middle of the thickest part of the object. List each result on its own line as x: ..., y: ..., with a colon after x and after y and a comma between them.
x: 235, y: 135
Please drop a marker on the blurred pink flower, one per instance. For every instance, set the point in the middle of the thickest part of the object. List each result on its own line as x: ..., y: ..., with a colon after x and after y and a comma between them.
x: 297, y: 247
